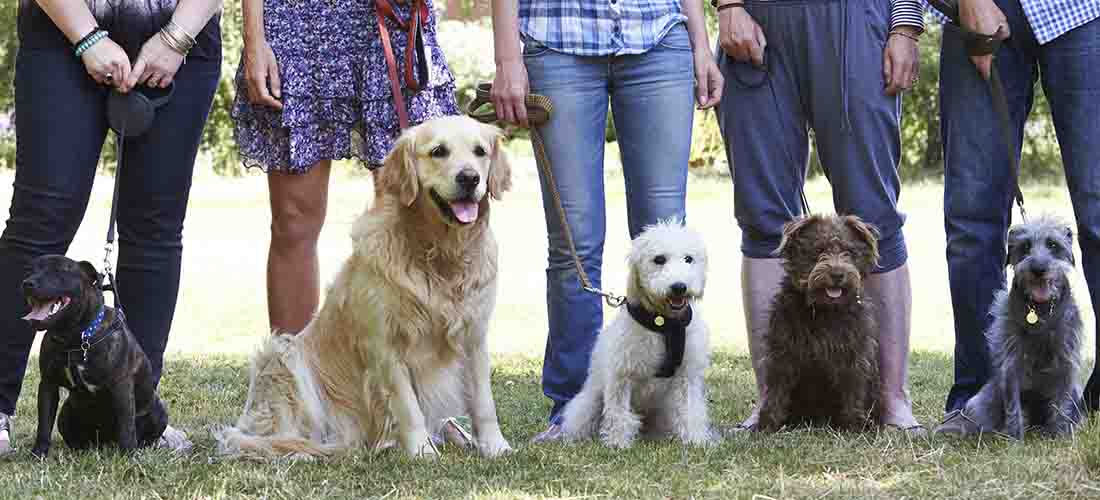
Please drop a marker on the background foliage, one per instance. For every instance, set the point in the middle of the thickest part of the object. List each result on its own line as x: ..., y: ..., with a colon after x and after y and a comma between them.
x: 467, y: 38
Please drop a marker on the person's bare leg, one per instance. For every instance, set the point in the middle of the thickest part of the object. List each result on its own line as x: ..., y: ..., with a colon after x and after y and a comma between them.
x: 298, y: 205
x: 892, y: 296
x: 760, y: 281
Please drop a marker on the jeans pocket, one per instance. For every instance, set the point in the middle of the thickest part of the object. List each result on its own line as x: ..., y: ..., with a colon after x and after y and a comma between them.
x: 533, y: 48
x: 676, y: 38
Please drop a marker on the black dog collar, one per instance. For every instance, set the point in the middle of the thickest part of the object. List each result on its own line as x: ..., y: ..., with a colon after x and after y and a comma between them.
x: 674, y: 332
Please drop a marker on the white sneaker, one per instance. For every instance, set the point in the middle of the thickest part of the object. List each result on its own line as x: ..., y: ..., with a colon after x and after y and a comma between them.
x: 175, y: 440
x: 5, y: 435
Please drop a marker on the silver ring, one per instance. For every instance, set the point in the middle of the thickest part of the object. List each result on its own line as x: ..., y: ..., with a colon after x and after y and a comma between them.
x: 108, y: 77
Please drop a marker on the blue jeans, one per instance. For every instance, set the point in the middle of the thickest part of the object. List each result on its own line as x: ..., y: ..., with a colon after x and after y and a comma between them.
x: 60, y: 128
x: 978, y: 181
x: 652, y: 102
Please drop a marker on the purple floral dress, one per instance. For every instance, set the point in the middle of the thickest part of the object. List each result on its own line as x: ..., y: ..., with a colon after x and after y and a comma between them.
x: 336, y: 96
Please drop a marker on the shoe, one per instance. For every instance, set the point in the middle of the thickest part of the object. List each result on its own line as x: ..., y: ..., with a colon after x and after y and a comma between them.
x: 955, y: 423
x: 175, y: 440
x: 5, y: 435
x: 552, y: 433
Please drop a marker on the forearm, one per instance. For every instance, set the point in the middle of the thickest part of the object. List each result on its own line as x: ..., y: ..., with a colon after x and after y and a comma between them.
x: 253, y: 13
x: 72, y: 17
x: 908, y: 14
x: 192, y: 15
x: 506, y: 45
x: 696, y: 25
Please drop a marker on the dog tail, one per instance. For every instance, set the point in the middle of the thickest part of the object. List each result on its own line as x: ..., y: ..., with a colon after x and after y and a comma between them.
x: 279, y: 418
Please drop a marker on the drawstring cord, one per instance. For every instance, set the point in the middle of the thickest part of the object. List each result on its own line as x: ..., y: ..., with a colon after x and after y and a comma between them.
x: 846, y: 124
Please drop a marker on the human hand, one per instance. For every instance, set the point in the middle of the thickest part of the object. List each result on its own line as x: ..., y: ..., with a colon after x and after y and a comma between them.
x: 107, y: 64
x: 985, y: 18
x: 510, y: 87
x: 709, y: 82
x: 740, y: 37
x: 901, y: 60
x: 261, y: 74
x: 156, y: 64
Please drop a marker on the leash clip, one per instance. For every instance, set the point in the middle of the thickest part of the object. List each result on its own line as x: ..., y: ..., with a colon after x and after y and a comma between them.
x: 85, y: 346
x: 608, y: 297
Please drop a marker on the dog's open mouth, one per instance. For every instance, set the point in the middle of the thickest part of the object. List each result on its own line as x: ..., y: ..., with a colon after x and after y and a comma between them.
x: 1042, y: 291
x: 461, y: 211
x: 43, y: 309
x: 834, y: 293
x: 677, y: 303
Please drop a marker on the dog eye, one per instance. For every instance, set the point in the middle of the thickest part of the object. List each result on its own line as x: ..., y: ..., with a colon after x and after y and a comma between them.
x: 660, y: 260
x: 1025, y: 247
x: 1052, y: 245
x: 479, y: 151
x: 439, y: 151
x: 689, y: 259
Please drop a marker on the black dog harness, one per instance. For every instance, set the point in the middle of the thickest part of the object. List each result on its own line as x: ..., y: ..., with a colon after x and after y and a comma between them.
x: 674, y: 332
x: 76, y: 358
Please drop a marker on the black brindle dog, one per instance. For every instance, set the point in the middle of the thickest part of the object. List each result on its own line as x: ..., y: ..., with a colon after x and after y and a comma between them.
x: 821, y: 344
x: 88, y: 350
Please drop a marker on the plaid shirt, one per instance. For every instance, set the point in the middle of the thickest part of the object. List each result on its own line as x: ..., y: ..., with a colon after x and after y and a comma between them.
x: 1050, y: 19
x: 598, y: 27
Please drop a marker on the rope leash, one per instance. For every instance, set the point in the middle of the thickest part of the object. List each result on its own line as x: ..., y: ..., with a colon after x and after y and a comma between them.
x: 539, y: 110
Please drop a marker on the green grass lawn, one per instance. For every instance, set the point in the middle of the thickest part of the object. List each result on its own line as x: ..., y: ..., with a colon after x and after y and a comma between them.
x: 221, y: 317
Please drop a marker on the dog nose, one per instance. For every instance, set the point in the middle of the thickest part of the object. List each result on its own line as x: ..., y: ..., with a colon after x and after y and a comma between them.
x: 467, y: 178
x: 836, y: 275
x: 678, y: 288
x: 1039, y: 269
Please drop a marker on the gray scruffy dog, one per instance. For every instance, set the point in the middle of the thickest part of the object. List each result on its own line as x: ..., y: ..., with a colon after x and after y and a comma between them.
x: 822, y: 345
x: 1034, y: 342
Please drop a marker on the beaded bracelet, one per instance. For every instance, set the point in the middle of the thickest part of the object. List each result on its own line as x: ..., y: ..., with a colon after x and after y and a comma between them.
x: 87, y: 42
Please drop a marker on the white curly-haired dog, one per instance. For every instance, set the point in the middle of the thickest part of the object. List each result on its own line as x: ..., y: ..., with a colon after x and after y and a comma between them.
x: 646, y: 372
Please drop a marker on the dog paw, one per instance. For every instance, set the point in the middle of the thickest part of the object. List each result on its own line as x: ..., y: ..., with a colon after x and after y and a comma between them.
x: 419, y: 445
x: 494, y: 448
x: 702, y: 439
x: 618, y: 441
x: 40, y: 452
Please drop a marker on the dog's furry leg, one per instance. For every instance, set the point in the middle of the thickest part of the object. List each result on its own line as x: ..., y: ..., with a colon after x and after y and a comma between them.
x: 620, y: 424
x: 581, y: 416
x: 1014, y: 415
x: 122, y: 398
x: 1061, y: 416
x: 483, y: 413
x: 775, y: 409
x: 48, y: 396
x: 689, y: 407
x: 404, y: 406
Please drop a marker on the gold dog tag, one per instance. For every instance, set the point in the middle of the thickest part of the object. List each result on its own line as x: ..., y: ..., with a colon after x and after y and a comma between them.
x: 659, y: 321
x: 1032, y: 318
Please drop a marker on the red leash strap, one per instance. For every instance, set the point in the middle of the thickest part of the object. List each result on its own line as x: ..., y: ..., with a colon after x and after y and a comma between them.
x: 414, y: 52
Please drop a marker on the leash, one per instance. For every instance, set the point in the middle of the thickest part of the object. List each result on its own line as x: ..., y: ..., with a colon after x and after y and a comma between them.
x: 416, y: 68
x: 107, y: 278
x: 978, y: 44
x: 539, y: 109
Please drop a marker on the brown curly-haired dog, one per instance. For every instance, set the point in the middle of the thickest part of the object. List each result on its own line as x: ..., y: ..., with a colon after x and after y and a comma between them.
x: 822, y: 363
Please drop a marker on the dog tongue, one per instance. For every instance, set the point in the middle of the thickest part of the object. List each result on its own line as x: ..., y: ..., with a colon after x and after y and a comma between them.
x: 1040, y: 294
x: 465, y: 211
x: 39, y: 313
x: 834, y: 293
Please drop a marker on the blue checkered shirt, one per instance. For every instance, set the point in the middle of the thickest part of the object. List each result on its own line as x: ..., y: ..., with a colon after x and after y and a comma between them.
x: 1050, y: 19
x: 598, y: 27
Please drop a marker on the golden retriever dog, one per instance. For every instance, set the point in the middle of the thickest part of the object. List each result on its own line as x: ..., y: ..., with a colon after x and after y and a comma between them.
x: 400, y: 344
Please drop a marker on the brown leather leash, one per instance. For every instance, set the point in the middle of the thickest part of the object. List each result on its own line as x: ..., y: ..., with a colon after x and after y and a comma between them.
x: 539, y: 110
x: 416, y: 63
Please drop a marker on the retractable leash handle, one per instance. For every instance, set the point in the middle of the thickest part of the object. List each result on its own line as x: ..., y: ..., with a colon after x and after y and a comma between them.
x: 979, y: 44
x: 129, y: 115
x: 539, y: 109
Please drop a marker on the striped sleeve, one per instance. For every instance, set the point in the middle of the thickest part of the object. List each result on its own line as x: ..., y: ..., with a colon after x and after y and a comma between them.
x: 907, y: 13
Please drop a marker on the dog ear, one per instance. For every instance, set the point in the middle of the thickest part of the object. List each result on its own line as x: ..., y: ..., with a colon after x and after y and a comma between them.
x: 868, y: 232
x: 89, y: 272
x: 790, y: 232
x: 500, y: 167
x: 398, y: 173
x: 1016, y: 235
x: 1069, y: 239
